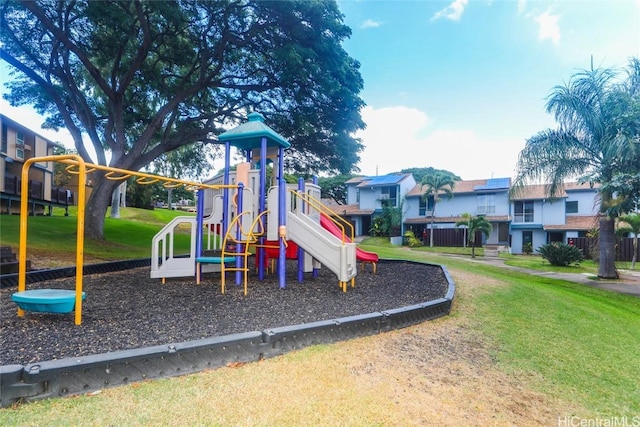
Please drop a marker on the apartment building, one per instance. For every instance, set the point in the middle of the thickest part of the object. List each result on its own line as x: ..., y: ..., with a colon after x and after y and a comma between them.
x: 367, y: 196
x: 537, y: 219
x: 488, y: 197
x: 522, y: 219
x: 19, y: 144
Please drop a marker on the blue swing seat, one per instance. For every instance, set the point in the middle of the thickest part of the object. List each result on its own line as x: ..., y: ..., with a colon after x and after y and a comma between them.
x: 46, y: 300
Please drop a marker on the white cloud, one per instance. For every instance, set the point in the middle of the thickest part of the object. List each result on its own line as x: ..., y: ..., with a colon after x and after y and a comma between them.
x: 370, y: 23
x: 522, y: 5
x: 453, y: 11
x: 548, y: 27
x: 399, y: 137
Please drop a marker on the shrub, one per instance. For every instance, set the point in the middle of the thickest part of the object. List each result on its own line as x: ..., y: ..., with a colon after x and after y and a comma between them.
x: 561, y: 254
x: 411, y: 239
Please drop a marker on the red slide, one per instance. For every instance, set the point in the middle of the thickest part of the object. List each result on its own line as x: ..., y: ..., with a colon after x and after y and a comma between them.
x: 331, y: 226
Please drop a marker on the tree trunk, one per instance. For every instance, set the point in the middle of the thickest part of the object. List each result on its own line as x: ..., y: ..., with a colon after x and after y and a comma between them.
x: 431, y: 234
x: 96, y: 208
x: 607, y: 266
x: 115, y: 203
x: 465, y: 237
x: 433, y: 214
x: 635, y: 251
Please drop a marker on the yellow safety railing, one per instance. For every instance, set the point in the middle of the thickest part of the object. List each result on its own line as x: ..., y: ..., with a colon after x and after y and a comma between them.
x: 333, y: 217
x: 345, y: 226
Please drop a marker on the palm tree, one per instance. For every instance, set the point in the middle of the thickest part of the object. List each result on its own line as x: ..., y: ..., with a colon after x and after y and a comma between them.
x: 631, y: 225
x: 588, y: 145
x: 466, y: 218
x: 436, y: 183
x: 474, y: 224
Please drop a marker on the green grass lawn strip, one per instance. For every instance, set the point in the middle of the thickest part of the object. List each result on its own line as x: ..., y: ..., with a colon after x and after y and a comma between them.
x: 575, y: 340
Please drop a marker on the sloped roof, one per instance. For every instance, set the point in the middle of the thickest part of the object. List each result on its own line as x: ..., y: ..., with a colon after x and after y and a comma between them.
x: 537, y: 191
x: 449, y: 219
x: 541, y: 191
x: 579, y: 223
x: 356, y: 180
x: 352, y: 210
x: 469, y: 186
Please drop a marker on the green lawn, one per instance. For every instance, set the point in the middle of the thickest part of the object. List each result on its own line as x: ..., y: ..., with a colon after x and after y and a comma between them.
x: 536, y: 262
x: 128, y: 237
x: 566, y: 340
x: 574, y: 340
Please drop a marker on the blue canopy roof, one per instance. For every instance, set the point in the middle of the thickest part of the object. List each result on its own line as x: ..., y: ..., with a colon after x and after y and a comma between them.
x: 249, y: 135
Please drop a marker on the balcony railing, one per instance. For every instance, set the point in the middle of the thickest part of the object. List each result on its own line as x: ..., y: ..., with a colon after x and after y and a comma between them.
x: 59, y: 195
x: 526, y: 217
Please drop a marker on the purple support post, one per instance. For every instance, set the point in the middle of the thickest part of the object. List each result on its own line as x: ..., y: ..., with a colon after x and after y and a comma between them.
x: 315, y: 273
x: 225, y: 191
x: 239, y: 248
x: 282, y: 219
x: 301, y: 208
x: 262, y: 201
x: 199, y: 221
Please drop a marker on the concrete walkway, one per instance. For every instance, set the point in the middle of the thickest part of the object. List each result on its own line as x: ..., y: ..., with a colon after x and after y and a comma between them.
x: 628, y: 283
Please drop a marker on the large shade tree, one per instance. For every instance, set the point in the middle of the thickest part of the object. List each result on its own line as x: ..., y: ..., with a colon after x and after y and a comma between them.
x: 133, y: 81
x: 334, y: 188
x: 591, y: 144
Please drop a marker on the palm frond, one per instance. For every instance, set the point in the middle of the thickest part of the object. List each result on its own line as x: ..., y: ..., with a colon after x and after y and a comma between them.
x: 579, y: 107
x: 553, y: 157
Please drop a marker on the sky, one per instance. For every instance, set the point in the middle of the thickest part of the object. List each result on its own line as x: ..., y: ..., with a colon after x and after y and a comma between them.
x: 461, y: 84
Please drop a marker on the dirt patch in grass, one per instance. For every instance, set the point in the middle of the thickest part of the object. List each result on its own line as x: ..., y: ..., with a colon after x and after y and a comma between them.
x: 45, y: 260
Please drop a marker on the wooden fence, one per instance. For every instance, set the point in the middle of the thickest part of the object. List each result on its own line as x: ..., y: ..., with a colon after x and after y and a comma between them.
x: 624, y: 247
x: 449, y: 237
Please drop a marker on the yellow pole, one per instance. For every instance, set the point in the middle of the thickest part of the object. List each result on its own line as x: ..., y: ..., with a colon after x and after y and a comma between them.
x: 22, y: 245
x: 82, y: 177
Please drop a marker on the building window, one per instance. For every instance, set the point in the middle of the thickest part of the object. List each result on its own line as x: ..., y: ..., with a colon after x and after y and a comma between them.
x: 571, y: 207
x: 388, y: 196
x: 555, y: 236
x: 4, y: 146
x: 20, y: 145
x: 425, y: 205
x: 485, y: 204
x: 358, y: 196
x: 523, y: 211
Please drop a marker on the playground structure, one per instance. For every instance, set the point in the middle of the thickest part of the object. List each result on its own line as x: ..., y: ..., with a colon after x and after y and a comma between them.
x: 287, y: 221
x: 238, y: 213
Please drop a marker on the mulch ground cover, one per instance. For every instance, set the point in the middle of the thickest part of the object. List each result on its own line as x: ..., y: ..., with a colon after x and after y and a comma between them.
x: 128, y: 309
